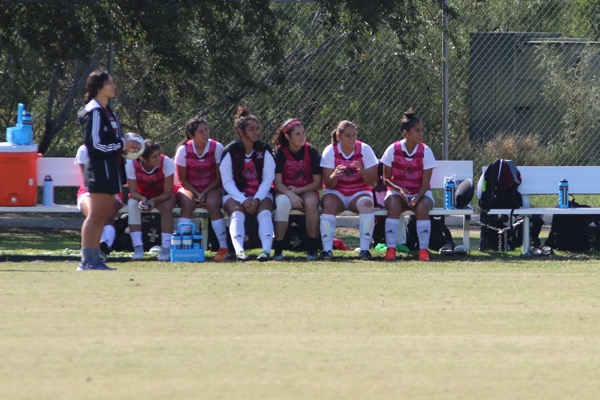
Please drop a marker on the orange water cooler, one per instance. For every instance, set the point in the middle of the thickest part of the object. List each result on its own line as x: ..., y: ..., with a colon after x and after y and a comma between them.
x: 18, y: 174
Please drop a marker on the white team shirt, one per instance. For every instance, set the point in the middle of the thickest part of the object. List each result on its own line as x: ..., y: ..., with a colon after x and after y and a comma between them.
x: 180, y: 154
x: 168, y: 169
x: 429, y: 161
x: 328, y: 157
x: 82, y: 155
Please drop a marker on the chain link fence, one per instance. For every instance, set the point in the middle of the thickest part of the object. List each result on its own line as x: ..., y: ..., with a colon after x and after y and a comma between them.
x: 524, y: 82
x: 329, y: 76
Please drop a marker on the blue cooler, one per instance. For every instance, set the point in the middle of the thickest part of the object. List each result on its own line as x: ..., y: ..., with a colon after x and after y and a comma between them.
x: 189, y: 247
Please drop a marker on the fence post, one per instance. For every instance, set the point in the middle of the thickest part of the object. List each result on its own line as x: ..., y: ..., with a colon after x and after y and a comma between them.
x: 445, y: 62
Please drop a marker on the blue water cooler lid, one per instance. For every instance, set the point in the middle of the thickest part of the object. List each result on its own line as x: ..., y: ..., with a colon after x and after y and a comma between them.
x: 7, y: 147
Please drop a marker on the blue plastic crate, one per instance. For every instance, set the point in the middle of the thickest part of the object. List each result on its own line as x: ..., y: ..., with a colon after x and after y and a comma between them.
x: 192, y: 251
x: 187, y: 255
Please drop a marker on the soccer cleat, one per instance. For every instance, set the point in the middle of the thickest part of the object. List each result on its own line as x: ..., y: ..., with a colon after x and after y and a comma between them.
x: 264, y: 256
x: 165, y: 254
x: 242, y: 256
x: 96, y: 265
x: 138, y: 253
x: 278, y: 257
x: 326, y: 255
x: 155, y: 249
x: 423, y: 255
x: 82, y: 267
x: 101, y: 266
x: 390, y: 254
x: 365, y: 255
x: 221, y: 254
x: 105, y: 248
x: 311, y: 256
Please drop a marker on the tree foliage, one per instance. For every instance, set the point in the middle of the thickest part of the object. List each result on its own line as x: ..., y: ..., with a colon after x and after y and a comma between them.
x: 323, y: 61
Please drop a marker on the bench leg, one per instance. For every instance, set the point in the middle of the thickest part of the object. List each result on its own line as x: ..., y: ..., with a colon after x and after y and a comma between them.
x: 467, y: 232
x: 526, y: 240
x: 204, y: 219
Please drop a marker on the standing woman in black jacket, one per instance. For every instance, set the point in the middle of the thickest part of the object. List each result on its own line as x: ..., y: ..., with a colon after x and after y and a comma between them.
x: 105, y: 169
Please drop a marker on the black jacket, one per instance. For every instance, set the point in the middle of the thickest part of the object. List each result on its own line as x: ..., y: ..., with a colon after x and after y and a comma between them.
x: 238, y: 154
x: 105, y: 169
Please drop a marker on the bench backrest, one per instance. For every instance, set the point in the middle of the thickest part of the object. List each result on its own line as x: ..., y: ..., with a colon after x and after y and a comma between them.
x: 463, y: 169
x: 544, y: 180
x: 539, y: 180
x: 65, y: 172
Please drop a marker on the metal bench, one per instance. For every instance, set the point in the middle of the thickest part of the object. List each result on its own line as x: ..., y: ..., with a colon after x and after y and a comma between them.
x: 65, y: 173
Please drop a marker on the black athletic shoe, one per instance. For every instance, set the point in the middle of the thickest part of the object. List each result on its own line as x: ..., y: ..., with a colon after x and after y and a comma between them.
x: 326, y: 255
x: 105, y: 248
x: 242, y: 256
x: 365, y: 255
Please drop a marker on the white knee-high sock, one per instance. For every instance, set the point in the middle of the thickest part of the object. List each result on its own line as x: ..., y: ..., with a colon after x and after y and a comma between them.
x: 265, y: 229
x: 136, y: 239
x: 423, y: 232
x: 401, y: 239
x: 108, y: 234
x: 218, y: 226
x: 391, y: 232
x: 237, y: 230
x: 366, y: 223
x: 165, y: 241
x: 327, y: 231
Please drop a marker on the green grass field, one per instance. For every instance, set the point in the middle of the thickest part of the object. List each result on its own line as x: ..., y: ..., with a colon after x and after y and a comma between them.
x: 489, y: 326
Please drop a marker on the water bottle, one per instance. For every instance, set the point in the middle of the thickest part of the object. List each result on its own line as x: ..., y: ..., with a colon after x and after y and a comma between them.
x: 48, y: 191
x: 176, y: 240
x: 186, y: 240
x: 197, y: 240
x: 450, y: 194
x: 563, y: 194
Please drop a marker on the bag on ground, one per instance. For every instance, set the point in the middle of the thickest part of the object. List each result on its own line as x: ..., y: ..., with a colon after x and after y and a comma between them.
x: 296, y: 237
x: 574, y: 232
x: 440, y: 234
x: 151, y: 232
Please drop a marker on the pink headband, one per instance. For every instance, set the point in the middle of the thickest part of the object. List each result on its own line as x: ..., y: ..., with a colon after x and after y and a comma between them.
x: 290, y: 124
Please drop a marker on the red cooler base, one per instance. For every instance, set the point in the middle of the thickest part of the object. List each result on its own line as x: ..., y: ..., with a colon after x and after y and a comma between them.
x: 18, y: 175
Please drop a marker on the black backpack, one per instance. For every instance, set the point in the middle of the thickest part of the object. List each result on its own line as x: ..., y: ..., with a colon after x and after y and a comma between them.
x: 500, y: 189
x: 501, y: 186
x: 151, y: 232
x: 574, y: 232
x: 440, y: 234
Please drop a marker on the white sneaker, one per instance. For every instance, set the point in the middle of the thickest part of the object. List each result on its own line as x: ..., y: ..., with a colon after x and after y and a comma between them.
x: 138, y: 253
x: 165, y: 254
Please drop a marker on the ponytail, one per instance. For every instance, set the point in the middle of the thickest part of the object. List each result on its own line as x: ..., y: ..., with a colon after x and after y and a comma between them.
x: 191, y: 127
x: 242, y: 117
x: 409, y: 120
x: 95, y: 81
x: 280, y: 138
x: 340, y: 129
